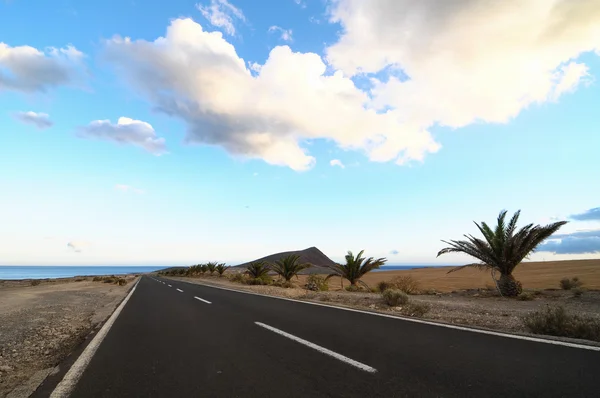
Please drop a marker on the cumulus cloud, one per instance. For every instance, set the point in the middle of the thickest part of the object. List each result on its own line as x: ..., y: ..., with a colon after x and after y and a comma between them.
x: 589, y: 215
x: 77, y: 246
x: 221, y: 13
x: 337, y: 162
x: 126, y: 131
x: 285, y: 34
x: 394, y: 252
x: 39, y: 120
x: 28, y: 69
x: 129, y: 188
x: 198, y: 77
x: 579, y: 242
x: 454, y: 63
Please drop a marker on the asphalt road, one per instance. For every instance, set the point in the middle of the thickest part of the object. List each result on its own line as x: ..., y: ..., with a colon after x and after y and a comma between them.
x: 167, y: 343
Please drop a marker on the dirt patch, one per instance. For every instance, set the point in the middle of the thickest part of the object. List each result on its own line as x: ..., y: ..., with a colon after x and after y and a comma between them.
x: 40, y: 325
x: 474, y: 307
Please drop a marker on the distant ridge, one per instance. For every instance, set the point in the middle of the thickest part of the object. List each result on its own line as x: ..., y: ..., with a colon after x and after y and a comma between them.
x: 312, y: 255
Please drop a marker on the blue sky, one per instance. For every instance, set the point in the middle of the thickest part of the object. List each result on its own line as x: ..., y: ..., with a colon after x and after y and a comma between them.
x: 230, y: 130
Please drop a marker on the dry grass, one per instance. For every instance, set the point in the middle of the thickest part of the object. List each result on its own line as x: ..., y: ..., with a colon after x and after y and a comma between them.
x: 533, y: 275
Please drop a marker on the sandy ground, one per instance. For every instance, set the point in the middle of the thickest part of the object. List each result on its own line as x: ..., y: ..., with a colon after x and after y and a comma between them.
x: 472, y: 307
x: 40, y: 325
x: 533, y: 275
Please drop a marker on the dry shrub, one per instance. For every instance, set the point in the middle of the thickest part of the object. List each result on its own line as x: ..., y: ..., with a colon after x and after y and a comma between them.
x: 97, y: 279
x: 121, y: 281
x: 406, y: 283
x: 384, y: 285
x: 238, y: 277
x: 394, y: 297
x: 568, y: 284
x: 316, y: 283
x: 555, y: 321
x: 35, y: 282
x: 525, y: 296
x: 416, y: 309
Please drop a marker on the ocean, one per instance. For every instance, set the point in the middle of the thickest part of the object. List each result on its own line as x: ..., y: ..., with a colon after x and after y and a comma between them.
x: 65, y: 271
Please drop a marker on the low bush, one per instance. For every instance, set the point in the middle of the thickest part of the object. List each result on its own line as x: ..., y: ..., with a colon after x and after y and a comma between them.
x: 416, y: 309
x: 394, y: 297
x: 568, y: 284
x: 316, y: 283
x: 35, y: 282
x: 109, y: 279
x: 577, y: 292
x: 353, y: 288
x: 80, y: 279
x: 121, y: 281
x: 555, y: 321
x: 263, y: 280
x: 384, y: 285
x: 97, y: 279
x: 238, y: 277
x: 525, y: 296
x: 407, y: 284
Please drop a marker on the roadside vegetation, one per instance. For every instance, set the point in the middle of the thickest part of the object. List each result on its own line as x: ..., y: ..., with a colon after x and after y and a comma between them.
x: 503, y: 249
x: 355, y: 268
x: 556, y: 321
x: 117, y: 280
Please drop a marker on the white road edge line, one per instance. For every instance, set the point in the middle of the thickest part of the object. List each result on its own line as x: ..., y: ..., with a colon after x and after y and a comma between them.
x: 322, y: 350
x: 169, y: 285
x: 179, y: 290
x: 205, y: 301
x: 69, y: 381
x: 443, y: 325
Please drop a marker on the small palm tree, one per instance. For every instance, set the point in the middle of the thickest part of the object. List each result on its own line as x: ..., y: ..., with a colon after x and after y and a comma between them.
x: 503, y: 249
x: 221, y: 268
x: 356, y: 267
x: 203, y: 268
x: 257, y: 269
x: 288, y: 267
x: 212, y: 267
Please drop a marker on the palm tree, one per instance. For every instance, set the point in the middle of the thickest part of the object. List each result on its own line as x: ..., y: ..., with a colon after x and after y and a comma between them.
x: 257, y: 269
x: 503, y: 249
x: 212, y: 267
x: 203, y: 268
x: 221, y: 268
x: 288, y: 267
x: 356, y: 267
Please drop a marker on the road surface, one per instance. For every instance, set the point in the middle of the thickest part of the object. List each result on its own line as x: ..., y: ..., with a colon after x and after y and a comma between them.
x: 175, y: 339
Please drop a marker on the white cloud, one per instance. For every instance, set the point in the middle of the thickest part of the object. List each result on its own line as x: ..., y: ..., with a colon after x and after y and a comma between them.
x: 286, y: 34
x: 466, y: 60
x: 301, y: 3
x: 129, y: 188
x: 221, y: 13
x: 337, y: 162
x: 126, y: 131
x: 40, y: 120
x: 198, y: 77
x: 27, y: 69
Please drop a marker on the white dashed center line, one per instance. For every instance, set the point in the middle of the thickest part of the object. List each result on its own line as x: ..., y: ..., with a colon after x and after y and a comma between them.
x: 169, y: 285
x: 323, y: 350
x: 179, y: 290
x: 204, y: 301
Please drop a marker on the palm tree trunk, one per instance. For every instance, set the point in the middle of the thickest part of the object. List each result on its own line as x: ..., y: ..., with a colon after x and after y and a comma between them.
x: 509, y: 286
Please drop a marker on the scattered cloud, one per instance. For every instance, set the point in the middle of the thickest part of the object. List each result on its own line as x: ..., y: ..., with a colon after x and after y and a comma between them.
x: 286, y: 34
x: 254, y: 174
x: 77, y: 246
x: 579, y: 242
x: 589, y: 215
x: 222, y: 14
x: 198, y: 77
x: 129, y: 188
x: 337, y: 162
x: 28, y: 69
x: 482, y: 61
x: 39, y: 120
x: 301, y: 3
x: 126, y: 131
x: 394, y: 252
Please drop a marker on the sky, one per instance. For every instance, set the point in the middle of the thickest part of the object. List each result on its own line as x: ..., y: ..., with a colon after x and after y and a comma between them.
x: 186, y: 131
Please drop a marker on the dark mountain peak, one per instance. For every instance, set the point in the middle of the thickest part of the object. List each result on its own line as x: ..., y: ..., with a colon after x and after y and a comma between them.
x: 312, y: 255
